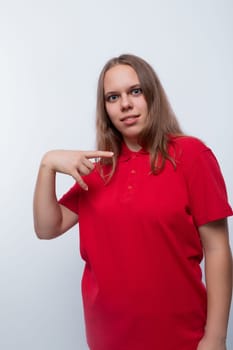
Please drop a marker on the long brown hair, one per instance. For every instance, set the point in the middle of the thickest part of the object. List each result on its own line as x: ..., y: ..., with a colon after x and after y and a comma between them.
x: 161, y: 120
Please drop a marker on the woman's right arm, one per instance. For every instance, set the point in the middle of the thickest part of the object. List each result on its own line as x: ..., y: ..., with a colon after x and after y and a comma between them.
x: 51, y: 219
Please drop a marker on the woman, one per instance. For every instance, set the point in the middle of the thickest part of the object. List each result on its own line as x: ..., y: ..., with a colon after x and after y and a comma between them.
x: 147, y: 211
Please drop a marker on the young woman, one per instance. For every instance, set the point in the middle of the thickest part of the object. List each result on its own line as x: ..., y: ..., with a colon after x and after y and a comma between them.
x: 148, y: 209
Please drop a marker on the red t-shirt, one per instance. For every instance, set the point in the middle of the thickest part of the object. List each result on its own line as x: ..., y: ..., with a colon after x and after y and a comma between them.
x: 142, y: 284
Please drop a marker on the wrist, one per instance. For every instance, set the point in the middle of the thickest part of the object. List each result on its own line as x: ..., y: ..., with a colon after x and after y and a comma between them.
x: 46, y: 163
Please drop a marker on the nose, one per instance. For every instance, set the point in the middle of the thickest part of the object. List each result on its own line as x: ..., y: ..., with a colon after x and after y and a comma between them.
x: 126, y: 102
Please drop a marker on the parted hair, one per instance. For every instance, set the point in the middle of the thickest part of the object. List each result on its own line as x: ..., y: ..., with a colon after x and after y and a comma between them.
x: 161, y: 121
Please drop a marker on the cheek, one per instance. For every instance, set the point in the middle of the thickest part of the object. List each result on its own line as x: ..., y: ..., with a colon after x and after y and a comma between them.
x: 145, y: 110
x: 144, y: 105
x: 112, y: 112
x: 141, y: 104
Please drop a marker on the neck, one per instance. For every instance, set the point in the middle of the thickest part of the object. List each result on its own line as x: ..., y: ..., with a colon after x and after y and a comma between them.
x: 133, y: 146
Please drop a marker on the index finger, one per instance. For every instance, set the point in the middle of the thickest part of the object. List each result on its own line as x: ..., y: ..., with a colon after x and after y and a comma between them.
x: 98, y: 154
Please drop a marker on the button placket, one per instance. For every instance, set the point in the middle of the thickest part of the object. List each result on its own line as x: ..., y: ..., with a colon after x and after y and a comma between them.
x: 132, y: 173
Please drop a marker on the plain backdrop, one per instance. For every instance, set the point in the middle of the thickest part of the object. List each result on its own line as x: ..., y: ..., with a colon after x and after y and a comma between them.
x: 51, y: 53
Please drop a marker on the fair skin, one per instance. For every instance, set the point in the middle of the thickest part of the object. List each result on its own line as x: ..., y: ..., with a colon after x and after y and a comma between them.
x: 50, y: 218
x: 127, y: 109
x: 125, y: 103
x: 218, y: 274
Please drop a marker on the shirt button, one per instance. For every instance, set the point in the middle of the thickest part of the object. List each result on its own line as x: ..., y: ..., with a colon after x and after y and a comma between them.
x: 130, y: 187
x: 133, y: 171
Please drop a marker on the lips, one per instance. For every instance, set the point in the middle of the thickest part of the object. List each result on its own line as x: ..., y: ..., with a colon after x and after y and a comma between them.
x: 129, y: 118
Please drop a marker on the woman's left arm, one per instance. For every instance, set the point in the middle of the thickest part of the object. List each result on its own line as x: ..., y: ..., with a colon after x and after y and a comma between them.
x: 218, y: 276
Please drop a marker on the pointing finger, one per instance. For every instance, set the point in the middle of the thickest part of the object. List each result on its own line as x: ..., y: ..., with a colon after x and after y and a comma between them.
x: 98, y: 154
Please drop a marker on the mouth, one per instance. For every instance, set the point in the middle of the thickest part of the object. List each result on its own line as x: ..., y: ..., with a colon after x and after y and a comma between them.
x: 129, y: 118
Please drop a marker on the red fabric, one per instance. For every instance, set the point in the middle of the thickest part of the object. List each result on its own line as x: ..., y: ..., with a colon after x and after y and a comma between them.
x: 142, y: 285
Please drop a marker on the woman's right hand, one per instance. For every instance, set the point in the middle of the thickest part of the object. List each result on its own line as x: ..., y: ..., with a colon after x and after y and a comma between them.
x: 73, y: 163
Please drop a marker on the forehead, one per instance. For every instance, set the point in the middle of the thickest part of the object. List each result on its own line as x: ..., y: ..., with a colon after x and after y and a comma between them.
x: 120, y: 77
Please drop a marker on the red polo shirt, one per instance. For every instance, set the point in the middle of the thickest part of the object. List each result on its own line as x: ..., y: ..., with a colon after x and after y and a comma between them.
x: 142, y: 284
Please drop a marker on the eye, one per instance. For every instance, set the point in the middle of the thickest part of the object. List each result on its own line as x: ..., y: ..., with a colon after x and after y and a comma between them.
x: 111, y: 98
x: 136, y: 91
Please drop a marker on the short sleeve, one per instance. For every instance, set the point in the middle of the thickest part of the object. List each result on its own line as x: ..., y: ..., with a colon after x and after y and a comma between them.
x: 207, y: 190
x: 71, y: 198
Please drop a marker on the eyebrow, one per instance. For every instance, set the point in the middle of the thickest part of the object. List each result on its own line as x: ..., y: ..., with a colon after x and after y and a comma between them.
x: 109, y: 93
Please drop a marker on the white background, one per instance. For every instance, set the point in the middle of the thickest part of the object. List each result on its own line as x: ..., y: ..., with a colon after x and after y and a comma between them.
x: 51, y: 53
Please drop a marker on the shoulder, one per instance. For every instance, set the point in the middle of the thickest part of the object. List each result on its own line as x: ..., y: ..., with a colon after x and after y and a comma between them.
x: 189, y: 144
x: 187, y: 148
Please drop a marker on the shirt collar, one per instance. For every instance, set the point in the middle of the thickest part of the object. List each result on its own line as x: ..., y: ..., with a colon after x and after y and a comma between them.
x: 127, y: 154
